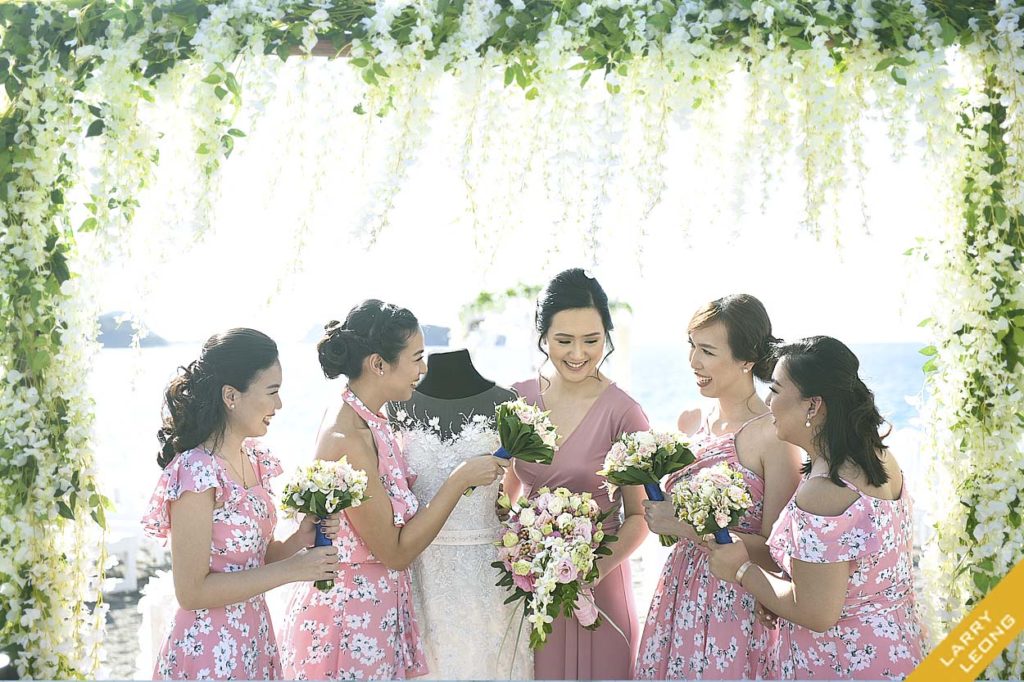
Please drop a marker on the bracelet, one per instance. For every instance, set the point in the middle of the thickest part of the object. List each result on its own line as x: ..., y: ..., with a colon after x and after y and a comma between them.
x: 742, y: 571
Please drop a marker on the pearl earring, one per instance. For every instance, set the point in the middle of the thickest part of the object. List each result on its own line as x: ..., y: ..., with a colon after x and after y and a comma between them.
x: 808, y: 422
x: 381, y: 372
x: 746, y: 370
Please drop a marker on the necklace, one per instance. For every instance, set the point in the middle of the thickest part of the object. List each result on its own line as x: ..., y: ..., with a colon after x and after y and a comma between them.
x: 241, y: 464
x: 240, y: 470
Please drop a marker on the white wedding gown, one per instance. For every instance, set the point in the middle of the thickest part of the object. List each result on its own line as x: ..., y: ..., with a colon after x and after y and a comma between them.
x: 467, y: 630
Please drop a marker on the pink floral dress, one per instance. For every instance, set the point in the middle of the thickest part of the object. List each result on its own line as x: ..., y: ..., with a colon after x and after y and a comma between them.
x: 235, y: 641
x: 878, y: 635
x: 698, y: 626
x: 363, y: 628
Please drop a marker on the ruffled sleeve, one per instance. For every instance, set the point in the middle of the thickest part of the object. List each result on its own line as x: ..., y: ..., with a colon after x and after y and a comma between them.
x: 850, y: 536
x: 191, y: 471
x: 267, y: 465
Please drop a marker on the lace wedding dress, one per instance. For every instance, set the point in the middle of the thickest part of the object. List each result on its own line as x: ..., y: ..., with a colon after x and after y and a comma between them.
x: 468, y: 632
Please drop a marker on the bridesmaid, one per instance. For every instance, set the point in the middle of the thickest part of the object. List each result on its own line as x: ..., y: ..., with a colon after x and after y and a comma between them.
x: 699, y: 627
x: 365, y: 628
x: 590, y: 412
x: 213, y: 500
x: 845, y: 539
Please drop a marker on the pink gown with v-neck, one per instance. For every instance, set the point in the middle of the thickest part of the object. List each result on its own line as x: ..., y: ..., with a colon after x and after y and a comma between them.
x: 571, y: 651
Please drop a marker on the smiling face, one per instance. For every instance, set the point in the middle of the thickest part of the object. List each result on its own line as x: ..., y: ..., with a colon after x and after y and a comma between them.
x: 575, y: 342
x: 713, y: 364
x: 788, y: 406
x: 250, y: 411
x: 402, y: 375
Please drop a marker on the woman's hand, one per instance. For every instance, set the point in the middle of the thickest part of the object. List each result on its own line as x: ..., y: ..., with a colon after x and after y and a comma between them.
x: 330, y: 526
x: 502, y: 510
x: 766, y: 617
x: 313, y: 563
x: 661, y: 518
x: 725, y: 560
x: 480, y: 470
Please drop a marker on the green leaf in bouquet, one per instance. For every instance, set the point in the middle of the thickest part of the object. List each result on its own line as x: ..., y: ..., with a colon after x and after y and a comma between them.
x: 632, y: 477
x: 512, y: 598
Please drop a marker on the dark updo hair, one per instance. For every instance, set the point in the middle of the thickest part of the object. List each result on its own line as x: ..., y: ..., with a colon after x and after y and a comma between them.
x: 747, y: 327
x: 572, y: 289
x: 371, y: 327
x: 193, y: 405
x: 825, y: 367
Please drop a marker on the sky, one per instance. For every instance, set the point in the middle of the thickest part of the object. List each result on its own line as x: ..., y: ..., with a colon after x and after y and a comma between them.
x: 289, y: 251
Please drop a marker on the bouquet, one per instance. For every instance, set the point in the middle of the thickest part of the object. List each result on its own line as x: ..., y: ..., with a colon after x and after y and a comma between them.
x: 322, y: 488
x: 645, y: 457
x: 547, y: 553
x: 525, y: 432
x: 712, y: 500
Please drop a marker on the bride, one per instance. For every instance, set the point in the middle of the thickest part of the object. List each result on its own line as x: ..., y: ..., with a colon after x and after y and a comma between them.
x: 468, y: 631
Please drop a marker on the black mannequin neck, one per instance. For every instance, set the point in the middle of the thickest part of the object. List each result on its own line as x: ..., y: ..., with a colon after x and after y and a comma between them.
x: 451, y: 376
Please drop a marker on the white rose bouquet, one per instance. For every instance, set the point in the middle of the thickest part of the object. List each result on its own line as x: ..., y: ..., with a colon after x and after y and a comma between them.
x: 321, y: 488
x: 645, y: 458
x: 712, y: 500
x: 525, y: 432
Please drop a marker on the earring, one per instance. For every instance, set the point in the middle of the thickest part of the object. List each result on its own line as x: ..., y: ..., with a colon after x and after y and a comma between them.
x: 746, y: 370
x: 231, y: 407
x: 808, y: 422
x: 381, y: 372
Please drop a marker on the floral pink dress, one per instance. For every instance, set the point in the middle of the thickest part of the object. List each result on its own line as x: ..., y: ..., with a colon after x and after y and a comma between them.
x: 699, y: 627
x: 235, y: 641
x: 878, y: 635
x: 363, y: 628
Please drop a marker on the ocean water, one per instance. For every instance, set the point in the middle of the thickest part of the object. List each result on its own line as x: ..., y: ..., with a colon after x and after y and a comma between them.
x: 663, y: 383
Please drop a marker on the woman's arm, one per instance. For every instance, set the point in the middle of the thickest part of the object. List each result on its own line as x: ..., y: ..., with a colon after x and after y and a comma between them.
x: 631, y: 533
x: 813, y: 598
x: 373, y: 520
x: 816, y: 592
x: 511, y: 485
x: 780, y: 462
x: 197, y: 587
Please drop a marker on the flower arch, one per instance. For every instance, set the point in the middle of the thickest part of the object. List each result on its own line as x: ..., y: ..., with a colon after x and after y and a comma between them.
x: 75, y: 70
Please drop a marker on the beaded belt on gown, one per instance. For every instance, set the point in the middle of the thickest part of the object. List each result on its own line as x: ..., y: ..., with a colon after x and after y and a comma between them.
x: 476, y: 536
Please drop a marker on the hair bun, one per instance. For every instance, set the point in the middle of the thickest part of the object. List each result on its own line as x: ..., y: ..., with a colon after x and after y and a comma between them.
x: 338, y: 350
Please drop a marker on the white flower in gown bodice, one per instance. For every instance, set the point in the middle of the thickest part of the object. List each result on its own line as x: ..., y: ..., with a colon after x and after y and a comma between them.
x: 468, y: 632
x: 434, y: 459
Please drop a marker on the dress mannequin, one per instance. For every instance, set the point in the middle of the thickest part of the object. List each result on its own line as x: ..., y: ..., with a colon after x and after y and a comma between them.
x: 451, y: 376
x: 452, y: 391
x: 449, y: 419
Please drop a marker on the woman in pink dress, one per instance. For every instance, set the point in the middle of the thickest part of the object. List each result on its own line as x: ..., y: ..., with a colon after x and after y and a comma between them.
x: 590, y: 412
x: 699, y: 627
x: 364, y: 627
x: 213, y: 500
x: 845, y: 605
